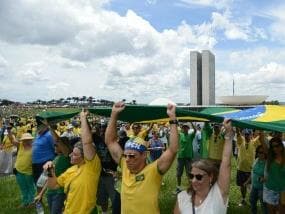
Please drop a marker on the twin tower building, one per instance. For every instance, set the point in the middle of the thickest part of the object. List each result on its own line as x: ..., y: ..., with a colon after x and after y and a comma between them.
x: 202, y: 78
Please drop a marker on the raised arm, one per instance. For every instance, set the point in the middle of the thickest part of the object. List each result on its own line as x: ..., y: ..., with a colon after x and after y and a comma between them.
x: 86, y: 137
x: 167, y: 158
x: 262, y: 141
x: 52, y: 131
x: 56, y: 138
x: 239, y: 137
x: 149, y: 128
x: 194, y: 127
x: 225, y: 168
x: 111, y: 138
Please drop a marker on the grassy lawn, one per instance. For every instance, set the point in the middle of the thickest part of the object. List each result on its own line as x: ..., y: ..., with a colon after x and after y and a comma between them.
x: 10, y: 195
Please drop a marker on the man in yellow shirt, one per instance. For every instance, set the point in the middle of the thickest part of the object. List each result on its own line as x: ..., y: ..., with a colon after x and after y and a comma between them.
x: 216, y: 145
x: 139, y: 132
x: 246, y: 154
x: 140, y: 181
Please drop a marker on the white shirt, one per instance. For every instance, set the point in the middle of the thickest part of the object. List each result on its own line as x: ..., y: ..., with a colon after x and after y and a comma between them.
x: 213, y: 204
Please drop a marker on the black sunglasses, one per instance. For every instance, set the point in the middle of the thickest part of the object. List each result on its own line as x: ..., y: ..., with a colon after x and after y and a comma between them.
x: 136, y: 127
x: 198, y: 177
x: 130, y: 156
x: 276, y: 145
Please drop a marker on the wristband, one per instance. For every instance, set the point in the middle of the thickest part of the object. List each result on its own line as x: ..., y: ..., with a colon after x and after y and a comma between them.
x: 173, y: 122
x: 228, y: 137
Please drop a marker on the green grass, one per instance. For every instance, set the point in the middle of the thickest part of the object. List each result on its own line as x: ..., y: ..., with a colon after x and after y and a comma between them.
x: 10, y: 195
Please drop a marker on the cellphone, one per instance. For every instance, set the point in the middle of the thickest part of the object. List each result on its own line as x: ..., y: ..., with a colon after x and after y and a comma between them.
x: 49, y: 172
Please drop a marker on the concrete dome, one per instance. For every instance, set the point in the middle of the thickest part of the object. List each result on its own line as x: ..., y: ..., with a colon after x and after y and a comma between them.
x: 161, y: 102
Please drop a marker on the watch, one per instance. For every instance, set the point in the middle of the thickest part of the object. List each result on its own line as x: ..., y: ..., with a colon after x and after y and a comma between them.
x: 173, y: 122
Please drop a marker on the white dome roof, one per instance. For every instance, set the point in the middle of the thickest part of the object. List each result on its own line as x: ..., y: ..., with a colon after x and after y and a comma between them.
x: 161, y: 102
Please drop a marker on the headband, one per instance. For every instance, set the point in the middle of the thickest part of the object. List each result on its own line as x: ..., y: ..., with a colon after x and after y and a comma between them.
x: 133, y: 145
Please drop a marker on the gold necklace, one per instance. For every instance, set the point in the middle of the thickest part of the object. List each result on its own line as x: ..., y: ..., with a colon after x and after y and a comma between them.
x: 200, y: 201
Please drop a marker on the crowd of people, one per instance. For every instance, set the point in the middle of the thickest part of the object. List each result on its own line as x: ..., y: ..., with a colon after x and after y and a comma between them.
x: 82, y: 164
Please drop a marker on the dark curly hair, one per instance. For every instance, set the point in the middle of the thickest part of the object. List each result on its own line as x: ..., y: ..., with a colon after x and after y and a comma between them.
x: 272, y: 154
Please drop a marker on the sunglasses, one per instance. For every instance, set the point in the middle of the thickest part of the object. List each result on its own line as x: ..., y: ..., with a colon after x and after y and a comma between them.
x: 136, y: 127
x: 130, y: 156
x: 276, y: 145
x: 198, y: 177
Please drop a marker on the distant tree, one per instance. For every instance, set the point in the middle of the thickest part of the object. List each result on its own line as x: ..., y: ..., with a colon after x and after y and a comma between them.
x: 90, y: 99
x: 134, y: 102
x: 6, y: 102
x: 272, y: 102
x: 76, y: 99
x: 38, y: 101
x: 61, y: 100
x: 83, y: 99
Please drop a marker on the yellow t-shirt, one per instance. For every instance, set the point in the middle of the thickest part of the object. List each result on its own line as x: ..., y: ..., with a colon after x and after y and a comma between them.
x: 139, y: 193
x: 129, y: 132
x: 61, y: 128
x: 80, y: 185
x: 216, y: 146
x: 76, y: 131
x: 7, y: 145
x: 246, y: 155
x: 24, y: 160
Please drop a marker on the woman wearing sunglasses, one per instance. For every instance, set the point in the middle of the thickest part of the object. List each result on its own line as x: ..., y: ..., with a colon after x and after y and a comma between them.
x: 209, y: 188
x: 274, y: 186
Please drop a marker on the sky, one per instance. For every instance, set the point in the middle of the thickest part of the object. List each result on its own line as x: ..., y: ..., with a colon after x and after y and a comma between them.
x: 138, y: 49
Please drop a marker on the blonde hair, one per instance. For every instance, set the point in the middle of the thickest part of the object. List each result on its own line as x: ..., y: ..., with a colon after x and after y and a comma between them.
x: 209, y: 166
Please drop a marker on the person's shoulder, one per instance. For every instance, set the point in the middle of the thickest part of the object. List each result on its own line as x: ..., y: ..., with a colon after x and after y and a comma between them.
x: 183, y: 192
x: 151, y: 166
x: 184, y: 195
x: 215, y: 188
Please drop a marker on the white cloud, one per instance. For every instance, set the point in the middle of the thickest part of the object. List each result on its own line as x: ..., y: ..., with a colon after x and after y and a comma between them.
x: 59, y: 89
x: 73, y: 48
x: 71, y: 64
x: 252, y: 59
x: 3, y: 66
x: 110, y: 34
x: 231, y: 30
x: 37, y: 22
x: 34, y: 73
x: 268, y: 80
x: 256, y: 71
x: 3, y: 62
x: 219, y: 4
x: 276, y: 29
x: 151, y: 2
